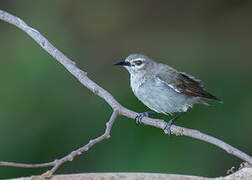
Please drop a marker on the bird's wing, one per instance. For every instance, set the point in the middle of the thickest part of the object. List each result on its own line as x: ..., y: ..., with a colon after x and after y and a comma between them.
x: 183, y: 83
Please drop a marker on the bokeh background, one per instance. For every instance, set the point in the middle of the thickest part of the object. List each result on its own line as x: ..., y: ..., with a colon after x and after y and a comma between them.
x: 46, y: 113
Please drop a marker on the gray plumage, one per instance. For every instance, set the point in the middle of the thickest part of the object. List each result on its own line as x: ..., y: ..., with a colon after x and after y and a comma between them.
x: 161, y: 87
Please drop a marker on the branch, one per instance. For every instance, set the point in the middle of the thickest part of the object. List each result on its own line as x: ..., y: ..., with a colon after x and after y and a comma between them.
x: 117, y: 107
x: 243, y: 174
x: 58, y: 162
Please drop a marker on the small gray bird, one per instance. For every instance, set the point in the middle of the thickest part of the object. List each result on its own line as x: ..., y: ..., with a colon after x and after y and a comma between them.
x: 162, y: 88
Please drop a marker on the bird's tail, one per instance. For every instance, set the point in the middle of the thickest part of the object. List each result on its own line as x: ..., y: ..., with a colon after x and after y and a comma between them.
x: 201, y: 101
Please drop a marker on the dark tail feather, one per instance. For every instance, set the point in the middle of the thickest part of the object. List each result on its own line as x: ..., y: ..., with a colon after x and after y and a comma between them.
x: 200, y: 101
x: 207, y: 95
x: 210, y: 96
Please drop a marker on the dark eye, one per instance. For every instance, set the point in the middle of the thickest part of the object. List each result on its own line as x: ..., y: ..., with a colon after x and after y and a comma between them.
x: 138, y: 62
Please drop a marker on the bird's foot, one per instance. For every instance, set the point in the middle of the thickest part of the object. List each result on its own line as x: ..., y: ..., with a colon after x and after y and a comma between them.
x: 140, y: 116
x: 167, y: 128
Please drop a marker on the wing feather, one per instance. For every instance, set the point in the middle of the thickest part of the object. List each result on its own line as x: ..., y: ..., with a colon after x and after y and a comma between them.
x: 183, y: 83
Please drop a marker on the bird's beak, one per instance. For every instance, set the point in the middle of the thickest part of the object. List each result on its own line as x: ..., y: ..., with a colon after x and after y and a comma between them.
x: 122, y: 63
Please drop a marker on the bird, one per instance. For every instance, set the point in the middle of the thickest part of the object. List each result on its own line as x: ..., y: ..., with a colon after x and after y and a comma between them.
x: 163, y: 89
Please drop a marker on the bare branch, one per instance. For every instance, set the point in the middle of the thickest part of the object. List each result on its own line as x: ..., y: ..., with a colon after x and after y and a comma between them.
x: 181, y: 131
x: 57, y: 163
x: 243, y: 174
x: 118, y: 108
x: 91, y: 143
x: 23, y: 165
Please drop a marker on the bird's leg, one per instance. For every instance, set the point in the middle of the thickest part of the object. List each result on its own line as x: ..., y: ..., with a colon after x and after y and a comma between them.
x: 167, y: 128
x: 140, y: 116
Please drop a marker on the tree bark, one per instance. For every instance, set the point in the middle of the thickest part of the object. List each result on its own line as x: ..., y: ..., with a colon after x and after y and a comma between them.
x: 243, y: 174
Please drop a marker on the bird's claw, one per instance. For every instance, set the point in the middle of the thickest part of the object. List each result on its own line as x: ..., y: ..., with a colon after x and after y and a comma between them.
x: 167, y: 128
x: 140, y: 116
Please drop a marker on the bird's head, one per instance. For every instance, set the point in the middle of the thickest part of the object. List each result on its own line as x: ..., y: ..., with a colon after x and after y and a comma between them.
x: 136, y: 63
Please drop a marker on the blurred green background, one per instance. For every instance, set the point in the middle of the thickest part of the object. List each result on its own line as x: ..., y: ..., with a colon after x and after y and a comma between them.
x: 46, y: 113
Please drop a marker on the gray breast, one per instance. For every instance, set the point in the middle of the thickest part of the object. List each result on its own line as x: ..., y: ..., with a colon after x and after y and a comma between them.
x: 159, y: 97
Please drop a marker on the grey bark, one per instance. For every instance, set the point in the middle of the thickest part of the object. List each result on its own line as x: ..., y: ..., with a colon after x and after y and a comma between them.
x: 243, y: 174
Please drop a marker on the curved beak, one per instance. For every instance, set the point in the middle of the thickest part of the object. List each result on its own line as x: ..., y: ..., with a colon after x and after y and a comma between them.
x: 122, y: 63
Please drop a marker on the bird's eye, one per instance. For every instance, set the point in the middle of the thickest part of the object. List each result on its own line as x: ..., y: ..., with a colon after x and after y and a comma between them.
x: 138, y: 62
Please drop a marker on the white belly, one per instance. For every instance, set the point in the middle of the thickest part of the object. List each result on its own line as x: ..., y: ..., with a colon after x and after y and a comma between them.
x: 160, y: 97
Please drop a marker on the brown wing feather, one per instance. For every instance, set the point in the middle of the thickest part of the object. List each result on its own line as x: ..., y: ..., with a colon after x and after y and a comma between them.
x: 193, y: 87
x: 182, y: 82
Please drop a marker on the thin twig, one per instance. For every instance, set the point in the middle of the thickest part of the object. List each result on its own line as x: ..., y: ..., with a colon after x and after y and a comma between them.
x: 58, y: 162
x: 24, y: 165
x: 117, y: 107
x: 92, y: 142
